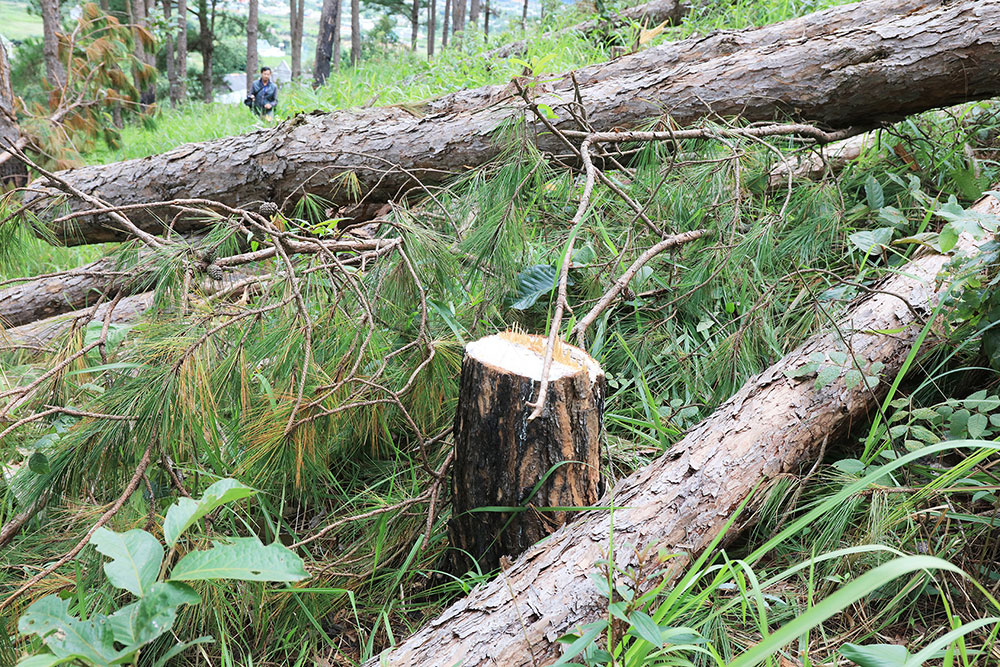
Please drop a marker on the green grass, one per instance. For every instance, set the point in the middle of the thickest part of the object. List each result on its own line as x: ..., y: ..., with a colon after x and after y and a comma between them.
x: 16, y: 23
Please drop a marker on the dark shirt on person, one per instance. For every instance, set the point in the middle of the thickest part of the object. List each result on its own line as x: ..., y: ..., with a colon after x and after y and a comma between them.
x: 264, y: 93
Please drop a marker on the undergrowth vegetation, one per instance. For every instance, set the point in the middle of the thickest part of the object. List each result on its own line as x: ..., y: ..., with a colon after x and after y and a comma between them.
x: 337, y: 408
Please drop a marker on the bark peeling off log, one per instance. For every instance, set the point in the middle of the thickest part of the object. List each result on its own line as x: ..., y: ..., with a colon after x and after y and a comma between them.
x: 500, y: 456
x: 865, y: 72
x: 772, y: 425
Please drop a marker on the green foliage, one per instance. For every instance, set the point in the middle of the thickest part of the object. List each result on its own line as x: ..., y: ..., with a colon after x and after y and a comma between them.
x: 136, y: 566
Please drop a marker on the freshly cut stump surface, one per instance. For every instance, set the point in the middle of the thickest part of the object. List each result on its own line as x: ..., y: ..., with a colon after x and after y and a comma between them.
x: 504, y: 460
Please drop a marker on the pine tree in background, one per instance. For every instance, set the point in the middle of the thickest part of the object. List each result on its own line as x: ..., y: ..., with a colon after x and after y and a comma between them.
x: 206, y: 40
x: 54, y: 70
x: 296, y: 19
x: 355, y: 32
x: 327, y: 42
x: 431, y: 26
x: 252, y: 22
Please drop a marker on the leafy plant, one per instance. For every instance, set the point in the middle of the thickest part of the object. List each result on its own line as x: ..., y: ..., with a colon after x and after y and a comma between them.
x: 137, y: 565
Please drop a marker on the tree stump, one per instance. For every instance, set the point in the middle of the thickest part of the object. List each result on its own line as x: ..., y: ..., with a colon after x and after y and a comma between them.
x: 501, y: 457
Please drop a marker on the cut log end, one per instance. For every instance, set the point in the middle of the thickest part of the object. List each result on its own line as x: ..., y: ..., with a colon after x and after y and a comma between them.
x: 533, y: 469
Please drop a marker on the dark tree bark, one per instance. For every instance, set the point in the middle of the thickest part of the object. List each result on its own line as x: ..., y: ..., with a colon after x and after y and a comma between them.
x: 431, y: 27
x: 457, y: 16
x: 445, y: 23
x: 296, y: 19
x: 474, y: 13
x: 652, y: 13
x: 938, y: 58
x: 329, y: 21
x: 500, y: 456
x: 12, y: 171
x: 55, y: 71
x: 772, y: 426
x: 524, y: 16
x: 206, y: 40
x: 168, y: 43
x: 414, y: 24
x: 486, y: 21
x: 145, y: 82
x: 355, y: 32
x: 178, y: 93
x: 252, y: 25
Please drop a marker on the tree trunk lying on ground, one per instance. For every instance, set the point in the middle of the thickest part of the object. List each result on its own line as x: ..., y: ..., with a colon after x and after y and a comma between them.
x: 840, y: 67
x: 649, y: 14
x: 41, y: 334
x: 772, y: 425
x: 58, y: 293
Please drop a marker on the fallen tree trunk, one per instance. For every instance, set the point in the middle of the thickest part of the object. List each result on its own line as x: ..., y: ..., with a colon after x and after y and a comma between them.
x: 57, y: 293
x: 41, y: 334
x: 772, y: 425
x: 650, y: 14
x: 936, y: 57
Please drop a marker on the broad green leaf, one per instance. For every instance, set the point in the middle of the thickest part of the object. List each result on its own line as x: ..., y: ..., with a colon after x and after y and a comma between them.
x: 874, y: 193
x: 532, y: 283
x: 980, y: 401
x: 67, y: 636
x: 135, y: 556
x: 38, y: 463
x: 852, y: 378
x: 947, y: 238
x: 826, y: 375
x: 243, y: 558
x: 143, y: 621
x: 577, y: 644
x: 872, y: 240
x: 929, y: 414
x: 893, y: 216
x: 876, y: 655
x: 976, y: 425
x: 186, y: 511
x: 645, y: 627
x: 850, y: 466
x: 957, y: 425
x: 924, y: 434
x: 838, y: 357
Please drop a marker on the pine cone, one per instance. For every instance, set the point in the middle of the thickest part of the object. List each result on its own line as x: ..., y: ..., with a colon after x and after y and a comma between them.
x: 214, y: 271
x: 268, y: 209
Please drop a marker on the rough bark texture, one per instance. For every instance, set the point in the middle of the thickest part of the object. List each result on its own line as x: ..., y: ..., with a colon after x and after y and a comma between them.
x: 445, y: 23
x: 206, y: 40
x: 12, y: 170
x: 500, y: 456
x: 824, y: 70
x: 431, y: 27
x: 355, y: 32
x: 650, y: 13
x: 773, y: 425
x: 180, y: 55
x: 43, y: 297
x: 296, y: 20
x: 43, y: 333
x: 252, y: 21
x: 329, y: 16
x: 55, y: 72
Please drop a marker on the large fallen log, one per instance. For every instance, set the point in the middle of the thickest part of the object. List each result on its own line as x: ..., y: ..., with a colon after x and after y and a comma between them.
x: 649, y: 14
x: 62, y: 292
x: 677, y: 505
x: 40, y: 335
x: 863, y: 72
